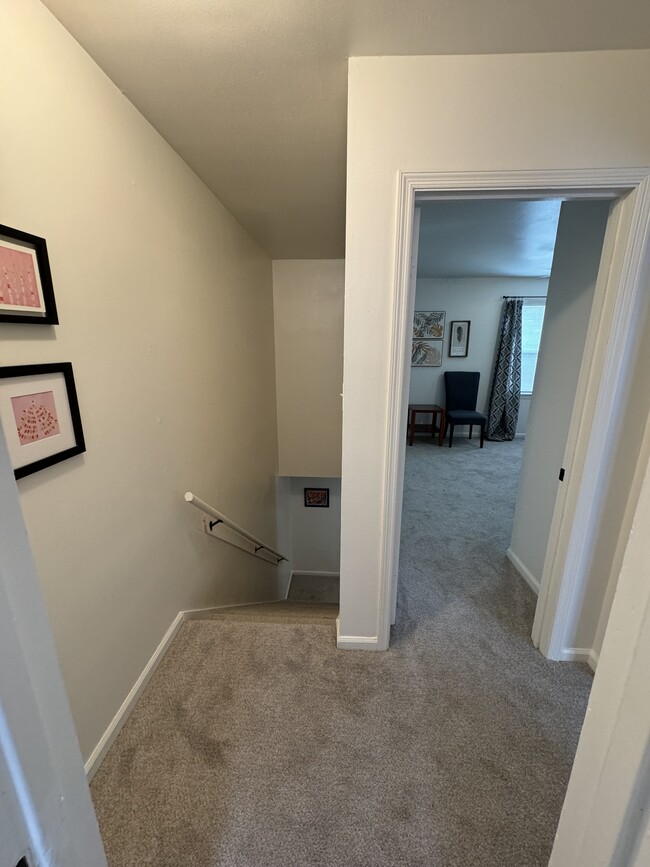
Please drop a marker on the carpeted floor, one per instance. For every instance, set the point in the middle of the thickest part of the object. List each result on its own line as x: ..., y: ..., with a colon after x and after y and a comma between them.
x: 258, y: 744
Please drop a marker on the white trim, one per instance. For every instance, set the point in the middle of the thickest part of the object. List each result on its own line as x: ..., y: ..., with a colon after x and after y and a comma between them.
x: 355, y: 642
x: 627, y: 243
x: 601, y: 386
x: 605, y: 811
x: 107, y: 739
x: 524, y: 571
x: 45, y: 808
x: 115, y: 726
x: 398, y: 388
x: 580, y: 654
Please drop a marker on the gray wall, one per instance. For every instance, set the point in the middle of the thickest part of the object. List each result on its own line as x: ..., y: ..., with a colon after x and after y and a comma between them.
x: 570, y: 294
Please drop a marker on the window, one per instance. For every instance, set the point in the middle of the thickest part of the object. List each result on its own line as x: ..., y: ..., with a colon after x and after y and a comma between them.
x: 532, y: 321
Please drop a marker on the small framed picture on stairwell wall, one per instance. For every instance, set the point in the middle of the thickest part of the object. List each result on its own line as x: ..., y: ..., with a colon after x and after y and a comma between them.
x: 318, y: 498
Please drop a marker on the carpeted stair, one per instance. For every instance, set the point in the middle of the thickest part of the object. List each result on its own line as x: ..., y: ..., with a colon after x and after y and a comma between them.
x: 286, y: 611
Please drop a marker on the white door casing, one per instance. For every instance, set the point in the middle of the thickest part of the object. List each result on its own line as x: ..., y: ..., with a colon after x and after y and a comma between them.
x: 608, y: 351
x: 413, y: 273
x: 44, y: 796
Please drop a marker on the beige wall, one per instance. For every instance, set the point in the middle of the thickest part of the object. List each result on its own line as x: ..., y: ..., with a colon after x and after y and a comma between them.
x: 165, y: 306
x: 449, y: 114
x: 308, y: 317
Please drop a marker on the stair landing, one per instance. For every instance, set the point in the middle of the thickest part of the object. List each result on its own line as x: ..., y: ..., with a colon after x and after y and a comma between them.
x: 285, y: 611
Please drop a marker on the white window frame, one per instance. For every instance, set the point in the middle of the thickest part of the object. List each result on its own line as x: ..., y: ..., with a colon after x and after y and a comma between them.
x: 533, y: 302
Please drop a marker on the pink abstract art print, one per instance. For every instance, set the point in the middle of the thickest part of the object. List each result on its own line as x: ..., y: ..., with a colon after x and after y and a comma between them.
x: 35, y: 416
x: 18, y: 284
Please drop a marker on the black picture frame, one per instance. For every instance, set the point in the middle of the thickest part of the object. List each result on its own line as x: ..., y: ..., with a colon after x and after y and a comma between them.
x: 38, y: 246
x: 459, y: 348
x: 31, y: 376
x: 317, y: 498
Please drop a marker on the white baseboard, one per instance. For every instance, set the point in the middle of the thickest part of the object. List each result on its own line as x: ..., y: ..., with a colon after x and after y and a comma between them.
x: 107, y: 739
x: 525, y: 573
x: 581, y: 654
x: 355, y: 642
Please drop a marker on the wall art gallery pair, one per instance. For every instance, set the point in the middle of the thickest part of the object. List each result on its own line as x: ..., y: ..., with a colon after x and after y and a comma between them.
x: 428, y: 338
x: 39, y: 410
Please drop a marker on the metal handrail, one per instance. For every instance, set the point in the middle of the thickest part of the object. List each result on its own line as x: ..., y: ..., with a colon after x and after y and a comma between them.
x: 220, y: 518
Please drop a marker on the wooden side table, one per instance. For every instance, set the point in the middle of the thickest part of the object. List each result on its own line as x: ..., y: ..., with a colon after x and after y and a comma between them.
x: 430, y: 408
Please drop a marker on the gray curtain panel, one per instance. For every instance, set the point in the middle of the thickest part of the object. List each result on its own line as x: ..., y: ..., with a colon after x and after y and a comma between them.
x: 506, y: 381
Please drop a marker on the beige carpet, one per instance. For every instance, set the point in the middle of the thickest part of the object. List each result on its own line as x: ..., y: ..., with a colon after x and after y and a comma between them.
x: 258, y: 744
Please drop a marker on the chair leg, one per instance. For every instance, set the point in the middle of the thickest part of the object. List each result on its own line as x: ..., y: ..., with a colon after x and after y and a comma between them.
x: 451, y: 433
x: 482, y: 434
x: 471, y: 428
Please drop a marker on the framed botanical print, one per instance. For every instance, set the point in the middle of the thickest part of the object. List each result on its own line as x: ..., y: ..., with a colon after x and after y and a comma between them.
x: 426, y: 353
x: 428, y: 324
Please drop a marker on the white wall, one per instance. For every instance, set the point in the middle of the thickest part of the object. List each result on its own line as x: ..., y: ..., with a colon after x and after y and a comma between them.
x: 166, y: 313
x: 576, y: 260
x: 479, y: 299
x: 308, y: 311
x: 316, y: 533
x: 449, y: 114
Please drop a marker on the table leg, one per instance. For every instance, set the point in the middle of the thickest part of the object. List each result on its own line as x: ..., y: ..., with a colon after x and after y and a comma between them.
x: 443, y: 422
x: 411, y: 427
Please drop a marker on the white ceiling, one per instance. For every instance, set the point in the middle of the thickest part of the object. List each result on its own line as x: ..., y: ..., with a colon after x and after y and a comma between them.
x: 489, y: 238
x: 253, y: 94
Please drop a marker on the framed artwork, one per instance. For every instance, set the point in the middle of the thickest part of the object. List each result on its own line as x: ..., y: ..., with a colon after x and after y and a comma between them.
x: 26, y: 291
x: 318, y: 498
x: 426, y: 353
x: 39, y: 413
x: 459, y: 338
x: 429, y: 325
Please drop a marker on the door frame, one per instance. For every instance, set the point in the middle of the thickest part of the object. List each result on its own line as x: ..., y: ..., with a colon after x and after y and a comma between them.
x: 43, y: 787
x: 609, y: 349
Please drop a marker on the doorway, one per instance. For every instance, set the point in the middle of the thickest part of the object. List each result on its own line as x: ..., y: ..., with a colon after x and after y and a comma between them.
x: 472, y: 256
x: 610, y: 350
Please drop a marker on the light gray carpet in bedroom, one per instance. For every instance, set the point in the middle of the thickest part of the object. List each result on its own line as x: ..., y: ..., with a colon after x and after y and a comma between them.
x: 258, y: 744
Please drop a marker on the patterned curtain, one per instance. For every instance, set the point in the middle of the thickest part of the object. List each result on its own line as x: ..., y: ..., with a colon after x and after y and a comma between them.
x: 506, y: 382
